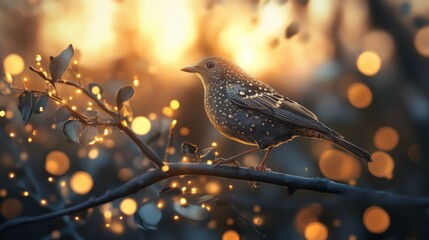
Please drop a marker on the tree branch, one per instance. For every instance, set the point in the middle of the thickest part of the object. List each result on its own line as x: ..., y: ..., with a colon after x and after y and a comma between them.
x: 146, y: 150
x: 231, y: 172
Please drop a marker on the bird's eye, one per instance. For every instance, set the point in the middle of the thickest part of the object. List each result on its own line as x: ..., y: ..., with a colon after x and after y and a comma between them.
x: 210, y: 64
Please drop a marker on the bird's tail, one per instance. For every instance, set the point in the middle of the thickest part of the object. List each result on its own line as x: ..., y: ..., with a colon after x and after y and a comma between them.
x: 355, y: 150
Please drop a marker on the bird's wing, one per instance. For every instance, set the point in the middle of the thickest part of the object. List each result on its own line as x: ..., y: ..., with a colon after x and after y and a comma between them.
x: 263, y: 98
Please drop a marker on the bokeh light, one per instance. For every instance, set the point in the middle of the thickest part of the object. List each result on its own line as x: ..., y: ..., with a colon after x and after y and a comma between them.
x: 128, y: 206
x: 345, y: 53
x: 316, y: 231
x: 359, y: 95
x: 117, y: 227
x: 368, y: 63
x: 11, y: 208
x: 386, y: 138
x: 230, y: 235
x: 174, y: 104
x: 306, y: 216
x: 93, y: 153
x: 125, y: 174
x: 415, y: 152
x: 380, y: 42
x: 421, y: 41
x: 13, y: 64
x: 93, y: 31
x: 338, y: 165
x: 376, y: 219
x: 168, y: 27
x: 141, y: 125
x: 57, y: 163
x: 382, y: 166
x: 212, y: 188
x: 184, y: 131
x: 81, y: 182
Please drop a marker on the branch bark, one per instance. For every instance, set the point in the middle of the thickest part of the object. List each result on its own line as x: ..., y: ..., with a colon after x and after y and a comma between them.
x: 231, y: 172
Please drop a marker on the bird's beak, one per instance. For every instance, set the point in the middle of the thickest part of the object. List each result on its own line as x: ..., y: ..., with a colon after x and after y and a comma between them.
x: 191, y: 69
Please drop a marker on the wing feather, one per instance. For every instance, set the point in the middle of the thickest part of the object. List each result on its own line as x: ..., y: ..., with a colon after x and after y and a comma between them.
x: 264, y: 99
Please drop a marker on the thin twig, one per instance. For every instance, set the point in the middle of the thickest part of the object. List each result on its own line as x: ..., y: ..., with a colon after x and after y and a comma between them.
x: 146, y: 150
x: 170, y: 140
x: 177, y: 169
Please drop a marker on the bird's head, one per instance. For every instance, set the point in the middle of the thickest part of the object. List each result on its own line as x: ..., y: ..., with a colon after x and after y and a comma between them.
x: 213, y: 69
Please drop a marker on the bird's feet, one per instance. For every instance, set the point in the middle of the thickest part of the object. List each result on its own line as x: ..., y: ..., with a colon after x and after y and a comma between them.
x: 261, y: 168
x: 233, y: 159
x: 221, y: 161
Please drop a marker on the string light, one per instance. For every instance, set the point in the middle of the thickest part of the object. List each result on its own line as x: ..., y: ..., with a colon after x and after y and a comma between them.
x: 183, y: 202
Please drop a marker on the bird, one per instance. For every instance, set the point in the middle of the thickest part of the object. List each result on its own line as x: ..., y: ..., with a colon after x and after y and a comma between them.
x: 251, y: 112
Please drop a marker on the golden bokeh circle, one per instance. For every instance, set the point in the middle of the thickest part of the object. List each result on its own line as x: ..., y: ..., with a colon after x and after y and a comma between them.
x: 421, y: 41
x: 386, y: 138
x: 230, y: 235
x: 57, y: 163
x: 81, y: 182
x: 339, y: 165
x: 128, y: 206
x: 13, y: 64
x: 316, y: 231
x: 11, y: 208
x: 359, y: 95
x: 382, y: 166
x: 376, y: 219
x: 141, y: 125
x: 368, y: 63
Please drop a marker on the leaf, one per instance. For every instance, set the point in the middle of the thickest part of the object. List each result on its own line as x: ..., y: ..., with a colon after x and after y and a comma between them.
x: 191, y: 211
x: 61, y: 114
x: 90, y: 114
x: 26, y: 102
x: 292, y: 29
x: 148, y: 217
x: 88, y: 135
x: 60, y: 63
x: 41, y: 104
x: 153, y: 138
x: 126, y: 112
x: 189, y: 148
x: 71, y: 130
x: 205, y: 152
x: 124, y: 94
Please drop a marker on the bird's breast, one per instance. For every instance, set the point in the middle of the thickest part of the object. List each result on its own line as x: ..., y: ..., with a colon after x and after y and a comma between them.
x: 225, y: 116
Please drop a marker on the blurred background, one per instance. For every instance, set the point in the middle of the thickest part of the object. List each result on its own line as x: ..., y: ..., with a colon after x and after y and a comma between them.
x: 362, y: 66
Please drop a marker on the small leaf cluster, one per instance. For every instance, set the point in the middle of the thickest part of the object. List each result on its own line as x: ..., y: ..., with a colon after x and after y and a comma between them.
x: 78, y: 127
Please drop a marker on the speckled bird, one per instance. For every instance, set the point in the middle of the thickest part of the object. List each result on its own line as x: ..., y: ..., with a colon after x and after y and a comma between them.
x: 251, y: 112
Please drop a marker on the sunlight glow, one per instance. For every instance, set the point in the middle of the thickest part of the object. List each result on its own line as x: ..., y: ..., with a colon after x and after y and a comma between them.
x: 167, y: 27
